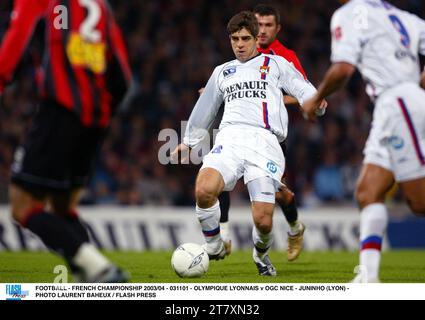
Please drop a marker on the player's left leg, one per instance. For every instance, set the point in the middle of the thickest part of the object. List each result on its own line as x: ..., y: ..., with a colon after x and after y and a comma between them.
x: 224, y: 199
x: 414, y: 192
x: 261, y: 192
x: 87, y: 263
x: 373, y: 184
x: 286, y: 200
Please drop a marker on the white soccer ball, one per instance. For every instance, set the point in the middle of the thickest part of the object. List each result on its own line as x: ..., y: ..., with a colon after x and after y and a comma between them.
x: 190, y: 260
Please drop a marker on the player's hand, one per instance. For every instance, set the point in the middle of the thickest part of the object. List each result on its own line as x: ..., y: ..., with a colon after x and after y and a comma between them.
x: 182, y: 150
x: 423, y: 80
x: 322, y: 108
x: 311, y: 107
x: 201, y: 91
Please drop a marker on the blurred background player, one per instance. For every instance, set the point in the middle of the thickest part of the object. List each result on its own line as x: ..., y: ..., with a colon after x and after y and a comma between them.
x: 269, y: 22
x: 248, y: 141
x: 395, y: 148
x: 86, y: 74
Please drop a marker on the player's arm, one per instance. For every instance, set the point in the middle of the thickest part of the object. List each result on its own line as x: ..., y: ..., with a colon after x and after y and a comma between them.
x: 25, y: 15
x: 335, y: 79
x: 295, y: 84
x: 292, y: 57
x: 119, y: 74
x: 346, y: 54
x: 202, y: 116
x: 421, y: 27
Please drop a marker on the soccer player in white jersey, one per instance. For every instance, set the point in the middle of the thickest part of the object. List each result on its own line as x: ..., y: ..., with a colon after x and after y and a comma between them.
x: 254, y: 121
x: 384, y: 43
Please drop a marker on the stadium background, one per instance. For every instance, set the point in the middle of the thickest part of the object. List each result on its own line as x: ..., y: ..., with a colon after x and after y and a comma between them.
x: 173, y: 47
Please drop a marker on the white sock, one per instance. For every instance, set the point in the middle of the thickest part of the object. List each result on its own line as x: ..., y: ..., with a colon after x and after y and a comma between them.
x: 262, y: 242
x: 225, y: 231
x: 373, y: 223
x: 90, y: 260
x: 294, y: 228
x: 210, y: 223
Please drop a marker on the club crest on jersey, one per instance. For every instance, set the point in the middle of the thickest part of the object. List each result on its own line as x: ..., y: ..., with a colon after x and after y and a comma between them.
x: 229, y: 71
x: 264, y: 70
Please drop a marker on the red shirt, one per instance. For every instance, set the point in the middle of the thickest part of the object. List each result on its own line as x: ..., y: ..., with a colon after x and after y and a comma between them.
x: 279, y: 49
x: 80, y: 52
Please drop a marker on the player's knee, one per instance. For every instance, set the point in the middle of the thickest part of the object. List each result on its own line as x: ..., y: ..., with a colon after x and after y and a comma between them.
x: 205, y: 196
x: 365, y: 197
x: 264, y: 226
x: 285, y: 197
x: 263, y: 223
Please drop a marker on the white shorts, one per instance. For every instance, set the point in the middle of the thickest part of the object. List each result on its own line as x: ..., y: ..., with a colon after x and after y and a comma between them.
x: 397, y: 139
x: 246, y: 151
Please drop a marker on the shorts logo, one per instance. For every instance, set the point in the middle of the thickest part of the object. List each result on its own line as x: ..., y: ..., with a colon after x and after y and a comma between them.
x: 272, y: 167
x: 229, y: 71
x: 217, y: 149
x: 394, y: 141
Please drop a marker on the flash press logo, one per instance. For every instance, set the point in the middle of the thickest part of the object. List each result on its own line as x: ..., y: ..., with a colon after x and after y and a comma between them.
x: 14, y: 292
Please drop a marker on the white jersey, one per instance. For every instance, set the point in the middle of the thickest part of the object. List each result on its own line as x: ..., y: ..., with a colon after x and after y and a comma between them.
x: 252, y: 96
x: 381, y: 40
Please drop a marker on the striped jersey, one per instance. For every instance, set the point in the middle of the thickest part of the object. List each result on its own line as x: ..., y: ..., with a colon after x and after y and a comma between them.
x: 383, y: 41
x: 252, y: 96
x: 85, y: 67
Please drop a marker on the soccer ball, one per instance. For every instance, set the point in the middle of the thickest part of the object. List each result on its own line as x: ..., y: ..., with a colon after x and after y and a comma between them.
x: 189, y: 260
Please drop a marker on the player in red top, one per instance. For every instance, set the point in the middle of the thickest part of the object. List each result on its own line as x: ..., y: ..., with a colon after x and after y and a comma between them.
x: 86, y: 74
x: 269, y: 24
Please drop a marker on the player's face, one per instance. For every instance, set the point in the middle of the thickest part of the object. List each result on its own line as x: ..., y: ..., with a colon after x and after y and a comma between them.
x: 244, y: 45
x: 268, y: 30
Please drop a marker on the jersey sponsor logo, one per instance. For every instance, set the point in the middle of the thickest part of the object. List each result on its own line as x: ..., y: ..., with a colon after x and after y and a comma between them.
x: 82, y: 53
x: 402, y: 54
x: 394, y: 141
x: 229, y: 71
x: 272, y: 167
x: 249, y: 90
x: 337, y: 33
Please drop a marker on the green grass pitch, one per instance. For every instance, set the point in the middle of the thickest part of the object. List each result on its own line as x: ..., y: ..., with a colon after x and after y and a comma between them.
x: 311, y: 267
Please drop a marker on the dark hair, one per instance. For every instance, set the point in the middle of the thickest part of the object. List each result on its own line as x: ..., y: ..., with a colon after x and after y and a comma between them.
x: 267, y: 10
x: 244, y: 19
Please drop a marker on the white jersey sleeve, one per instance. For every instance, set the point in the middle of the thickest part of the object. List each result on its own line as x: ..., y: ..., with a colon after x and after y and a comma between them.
x: 204, y: 112
x: 346, y: 43
x: 294, y: 83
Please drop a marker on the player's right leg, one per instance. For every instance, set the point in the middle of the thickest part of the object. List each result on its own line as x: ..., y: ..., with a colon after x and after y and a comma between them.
x: 209, y: 185
x: 373, y: 183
